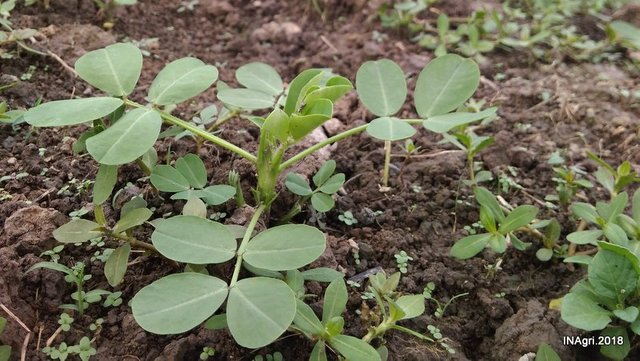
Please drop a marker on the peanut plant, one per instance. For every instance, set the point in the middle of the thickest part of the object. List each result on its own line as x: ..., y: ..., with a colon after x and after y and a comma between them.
x: 262, y: 302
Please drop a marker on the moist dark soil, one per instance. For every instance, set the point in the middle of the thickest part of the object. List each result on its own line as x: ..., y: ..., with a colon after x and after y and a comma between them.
x: 543, y: 108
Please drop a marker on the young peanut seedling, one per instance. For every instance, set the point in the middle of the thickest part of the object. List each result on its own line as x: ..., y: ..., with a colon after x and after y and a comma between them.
x: 261, y: 303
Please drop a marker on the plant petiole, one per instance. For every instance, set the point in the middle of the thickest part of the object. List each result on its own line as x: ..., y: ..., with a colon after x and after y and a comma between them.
x: 199, y: 132
x: 245, y: 241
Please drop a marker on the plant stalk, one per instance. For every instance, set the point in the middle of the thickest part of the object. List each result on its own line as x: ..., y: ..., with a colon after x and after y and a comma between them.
x: 199, y: 132
x: 387, y: 162
x: 347, y: 133
x: 245, y: 242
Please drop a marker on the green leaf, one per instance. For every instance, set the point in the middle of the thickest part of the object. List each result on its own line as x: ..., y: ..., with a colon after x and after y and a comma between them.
x: 178, y: 302
x: 132, y: 219
x: 314, y: 114
x: 259, y: 310
x: 334, y: 326
x: 216, y: 194
x: 622, y: 251
x: 544, y: 254
x: 114, y: 69
x: 261, y: 77
x: 297, y: 185
x: 498, y: 243
x: 277, y: 125
x: 625, y: 33
x: 580, y: 259
x: 307, y: 320
x: 327, y: 169
x: 216, y: 322
x: 180, y: 80
x: 322, y: 274
x: 615, y: 234
x: 105, y: 181
x: 319, y: 352
x: 445, y: 84
x: 612, y: 275
x: 635, y: 206
x: 391, y: 129
x: 168, y: 179
x: 300, y: 82
x: 616, y: 351
x: 5, y: 353
x: 470, y: 246
x: 134, y: 203
x: 446, y: 122
x: 629, y: 314
x: 285, y: 247
x: 195, y: 207
x: 194, y: 240
x: 52, y: 266
x: 248, y: 99
x: 322, y: 202
x: 261, y: 272
x: 193, y: 170
x: 546, y: 353
x: 585, y: 237
x: 354, y: 349
x: 411, y: 305
x: 77, y: 231
x: 381, y: 87
x: 333, y: 184
x: 487, y: 199
x: 335, y: 300
x: 71, y: 112
x: 609, y: 211
x: 519, y: 217
x: 335, y: 88
x: 127, y: 139
x: 581, y: 312
x: 116, y: 265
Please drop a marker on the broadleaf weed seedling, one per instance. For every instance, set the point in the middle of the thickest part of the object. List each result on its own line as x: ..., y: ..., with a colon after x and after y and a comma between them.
x: 262, y: 306
x: 441, y: 308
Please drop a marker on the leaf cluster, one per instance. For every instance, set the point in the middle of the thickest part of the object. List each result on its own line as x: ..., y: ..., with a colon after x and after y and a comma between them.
x: 499, y: 227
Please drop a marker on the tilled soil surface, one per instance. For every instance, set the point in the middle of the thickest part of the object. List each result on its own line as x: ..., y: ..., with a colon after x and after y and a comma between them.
x: 543, y: 107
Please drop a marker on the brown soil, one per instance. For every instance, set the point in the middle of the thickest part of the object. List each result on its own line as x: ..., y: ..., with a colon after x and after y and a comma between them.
x: 502, y: 318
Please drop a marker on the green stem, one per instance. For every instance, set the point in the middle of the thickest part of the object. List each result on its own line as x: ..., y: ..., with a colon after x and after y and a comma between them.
x: 472, y: 176
x: 359, y: 129
x: 244, y: 243
x: 199, y: 132
x: 295, y: 209
x: 387, y: 162
x: 143, y: 167
x: 222, y: 120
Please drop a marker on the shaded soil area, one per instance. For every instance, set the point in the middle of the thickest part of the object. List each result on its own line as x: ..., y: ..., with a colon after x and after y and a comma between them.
x: 543, y: 108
